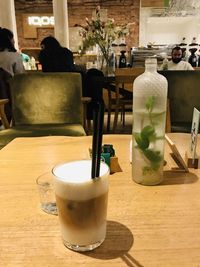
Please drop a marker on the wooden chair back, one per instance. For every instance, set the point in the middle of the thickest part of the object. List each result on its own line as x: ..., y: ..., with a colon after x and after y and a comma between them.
x: 183, y: 96
x: 124, y: 78
x: 136, y: 71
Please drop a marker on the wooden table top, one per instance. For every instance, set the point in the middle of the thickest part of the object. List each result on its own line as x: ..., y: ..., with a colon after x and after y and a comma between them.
x: 147, y: 225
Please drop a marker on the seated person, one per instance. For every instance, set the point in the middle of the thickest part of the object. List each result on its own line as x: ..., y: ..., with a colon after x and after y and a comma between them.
x: 176, y: 63
x: 10, y: 59
x: 55, y: 58
x: 93, y: 87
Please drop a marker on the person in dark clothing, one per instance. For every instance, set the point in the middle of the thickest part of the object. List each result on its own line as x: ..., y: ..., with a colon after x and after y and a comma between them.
x: 93, y: 84
x: 55, y: 58
x: 93, y: 87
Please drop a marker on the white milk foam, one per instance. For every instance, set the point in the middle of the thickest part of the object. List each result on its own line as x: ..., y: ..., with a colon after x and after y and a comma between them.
x: 73, y: 180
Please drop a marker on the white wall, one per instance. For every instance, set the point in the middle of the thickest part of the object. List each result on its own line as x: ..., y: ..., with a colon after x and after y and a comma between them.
x: 7, y: 18
x: 164, y: 30
x: 167, y: 30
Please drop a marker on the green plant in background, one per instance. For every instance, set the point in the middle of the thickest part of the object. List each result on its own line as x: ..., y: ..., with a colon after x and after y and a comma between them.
x: 102, y: 33
x: 148, y: 136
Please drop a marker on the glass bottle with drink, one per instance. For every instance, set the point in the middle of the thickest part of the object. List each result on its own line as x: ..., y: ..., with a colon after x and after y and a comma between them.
x: 193, y: 59
x: 122, y: 59
x: 149, y: 117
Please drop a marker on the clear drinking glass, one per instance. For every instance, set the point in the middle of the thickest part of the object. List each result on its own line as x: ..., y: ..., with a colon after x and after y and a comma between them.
x: 46, y: 193
x: 82, y: 204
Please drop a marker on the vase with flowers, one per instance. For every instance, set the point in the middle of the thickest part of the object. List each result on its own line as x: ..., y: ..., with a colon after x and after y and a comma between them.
x: 101, y: 33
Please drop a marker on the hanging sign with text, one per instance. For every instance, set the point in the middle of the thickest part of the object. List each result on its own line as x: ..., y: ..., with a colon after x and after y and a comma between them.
x: 33, y: 21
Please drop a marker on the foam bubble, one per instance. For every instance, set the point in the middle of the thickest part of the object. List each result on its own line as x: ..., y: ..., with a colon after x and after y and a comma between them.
x: 73, y: 180
x: 77, y: 171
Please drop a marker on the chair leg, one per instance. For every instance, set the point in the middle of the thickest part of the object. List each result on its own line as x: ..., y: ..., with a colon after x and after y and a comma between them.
x: 89, y: 127
x: 2, y: 113
x: 115, y: 119
x: 108, y: 118
x: 123, y: 116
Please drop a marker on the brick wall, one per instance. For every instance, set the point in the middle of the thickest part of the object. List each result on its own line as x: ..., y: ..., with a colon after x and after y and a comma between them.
x: 122, y: 11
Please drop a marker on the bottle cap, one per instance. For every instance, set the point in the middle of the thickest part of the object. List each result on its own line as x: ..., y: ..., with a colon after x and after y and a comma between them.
x: 151, y: 60
x: 108, y: 148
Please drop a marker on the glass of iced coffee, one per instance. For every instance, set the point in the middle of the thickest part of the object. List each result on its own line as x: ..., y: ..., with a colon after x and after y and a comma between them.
x: 82, y: 204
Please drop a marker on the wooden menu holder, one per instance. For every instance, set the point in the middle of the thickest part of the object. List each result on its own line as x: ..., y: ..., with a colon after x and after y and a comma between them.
x: 191, y: 157
x: 192, y: 162
x: 114, y: 163
x: 182, y: 167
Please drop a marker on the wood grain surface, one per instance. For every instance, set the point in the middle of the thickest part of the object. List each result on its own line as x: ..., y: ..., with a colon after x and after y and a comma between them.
x: 151, y: 226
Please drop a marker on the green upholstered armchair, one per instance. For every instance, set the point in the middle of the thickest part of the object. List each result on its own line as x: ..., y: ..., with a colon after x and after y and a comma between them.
x: 45, y: 104
x: 183, y: 95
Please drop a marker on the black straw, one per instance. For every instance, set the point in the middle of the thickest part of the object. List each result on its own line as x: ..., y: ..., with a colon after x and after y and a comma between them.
x: 98, y: 118
x: 94, y: 140
x: 100, y: 135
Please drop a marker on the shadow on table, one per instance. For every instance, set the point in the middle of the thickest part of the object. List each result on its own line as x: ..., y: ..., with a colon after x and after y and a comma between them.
x: 172, y: 177
x: 118, y: 242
